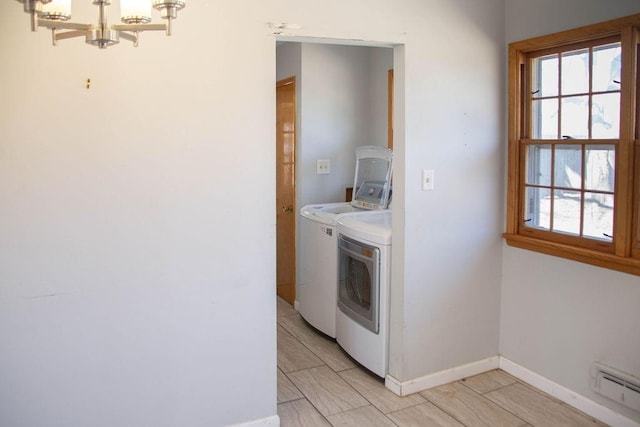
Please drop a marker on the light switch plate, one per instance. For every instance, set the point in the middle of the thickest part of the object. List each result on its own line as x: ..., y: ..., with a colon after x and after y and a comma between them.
x: 323, y: 167
x: 427, y: 180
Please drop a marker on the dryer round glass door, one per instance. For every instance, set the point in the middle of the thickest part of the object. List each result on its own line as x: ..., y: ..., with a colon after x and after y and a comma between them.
x: 359, y: 282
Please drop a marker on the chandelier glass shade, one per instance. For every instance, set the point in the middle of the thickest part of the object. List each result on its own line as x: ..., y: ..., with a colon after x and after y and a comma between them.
x: 134, y: 14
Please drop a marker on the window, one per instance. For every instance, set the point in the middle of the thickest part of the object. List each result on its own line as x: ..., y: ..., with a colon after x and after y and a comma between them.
x: 574, y: 145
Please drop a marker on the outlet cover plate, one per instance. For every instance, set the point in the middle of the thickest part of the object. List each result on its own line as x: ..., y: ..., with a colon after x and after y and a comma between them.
x: 323, y: 167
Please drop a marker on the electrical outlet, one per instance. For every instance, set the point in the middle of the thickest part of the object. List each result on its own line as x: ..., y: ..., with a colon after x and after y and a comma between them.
x: 427, y: 180
x: 323, y: 167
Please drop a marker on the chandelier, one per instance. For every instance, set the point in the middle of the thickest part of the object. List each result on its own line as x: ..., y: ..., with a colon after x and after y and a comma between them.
x: 135, y: 15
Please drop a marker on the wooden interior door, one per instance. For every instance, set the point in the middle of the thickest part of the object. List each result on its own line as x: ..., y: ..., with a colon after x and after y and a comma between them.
x: 286, y: 188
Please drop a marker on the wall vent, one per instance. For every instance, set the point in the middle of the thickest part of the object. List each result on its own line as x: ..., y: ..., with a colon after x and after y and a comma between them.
x: 616, y: 385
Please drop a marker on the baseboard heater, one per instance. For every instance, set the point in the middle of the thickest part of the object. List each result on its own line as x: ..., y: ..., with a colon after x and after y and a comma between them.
x: 616, y: 385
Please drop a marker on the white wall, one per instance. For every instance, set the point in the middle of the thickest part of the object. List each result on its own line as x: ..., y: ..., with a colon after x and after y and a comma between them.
x: 335, y: 82
x: 559, y: 316
x: 447, y: 246
x: 135, y: 248
x: 289, y: 62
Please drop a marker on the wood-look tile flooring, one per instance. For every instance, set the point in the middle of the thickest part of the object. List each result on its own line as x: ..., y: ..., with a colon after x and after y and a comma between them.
x: 319, y: 385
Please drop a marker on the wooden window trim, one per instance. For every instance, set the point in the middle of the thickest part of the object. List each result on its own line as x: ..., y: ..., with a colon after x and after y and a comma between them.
x: 624, y: 253
x: 635, y: 251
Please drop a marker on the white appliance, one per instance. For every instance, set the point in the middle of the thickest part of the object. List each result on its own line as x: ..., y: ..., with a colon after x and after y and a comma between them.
x: 362, y: 318
x: 316, y: 289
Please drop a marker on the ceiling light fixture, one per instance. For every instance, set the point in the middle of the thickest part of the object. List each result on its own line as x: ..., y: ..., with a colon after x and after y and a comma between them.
x: 135, y: 15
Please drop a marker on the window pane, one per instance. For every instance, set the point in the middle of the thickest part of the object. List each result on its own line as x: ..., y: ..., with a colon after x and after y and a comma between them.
x: 537, y: 207
x: 598, y: 216
x: 575, y: 117
x: 566, y: 211
x: 568, y: 166
x: 539, y: 165
x: 545, y: 119
x: 575, y: 72
x: 545, y: 76
x: 600, y: 166
x: 605, y: 116
x: 606, y: 68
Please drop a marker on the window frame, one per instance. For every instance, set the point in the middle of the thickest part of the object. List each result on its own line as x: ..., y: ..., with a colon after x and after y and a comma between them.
x: 623, y: 252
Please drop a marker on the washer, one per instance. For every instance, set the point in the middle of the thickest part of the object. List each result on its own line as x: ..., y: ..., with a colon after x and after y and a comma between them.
x: 316, y: 288
x: 362, y: 318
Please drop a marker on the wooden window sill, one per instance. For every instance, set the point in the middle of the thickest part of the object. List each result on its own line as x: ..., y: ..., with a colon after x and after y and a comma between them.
x: 587, y: 256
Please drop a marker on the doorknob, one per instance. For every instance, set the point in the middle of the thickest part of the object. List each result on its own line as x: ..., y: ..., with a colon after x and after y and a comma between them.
x: 287, y: 209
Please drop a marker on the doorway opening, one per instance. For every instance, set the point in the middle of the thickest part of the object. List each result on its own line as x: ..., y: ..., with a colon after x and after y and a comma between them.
x: 344, y: 98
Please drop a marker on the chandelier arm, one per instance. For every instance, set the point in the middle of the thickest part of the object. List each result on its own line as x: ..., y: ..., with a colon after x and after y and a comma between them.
x: 132, y: 37
x: 139, y: 27
x: 60, y: 25
x: 69, y: 34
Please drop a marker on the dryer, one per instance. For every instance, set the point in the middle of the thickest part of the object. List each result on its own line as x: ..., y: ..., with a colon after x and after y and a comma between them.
x: 364, y: 283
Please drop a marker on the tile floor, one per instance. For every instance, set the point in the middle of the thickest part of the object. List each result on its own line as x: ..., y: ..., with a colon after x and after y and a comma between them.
x: 319, y: 385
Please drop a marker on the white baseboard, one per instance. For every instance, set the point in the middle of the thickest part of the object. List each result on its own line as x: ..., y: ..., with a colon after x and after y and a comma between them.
x: 273, y: 421
x: 567, y: 396
x: 405, y: 388
x: 571, y: 398
x: 393, y: 384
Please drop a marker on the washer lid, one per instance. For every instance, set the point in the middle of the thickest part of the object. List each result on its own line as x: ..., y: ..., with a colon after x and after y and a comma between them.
x: 372, y: 182
x: 328, y: 213
x: 372, y: 227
